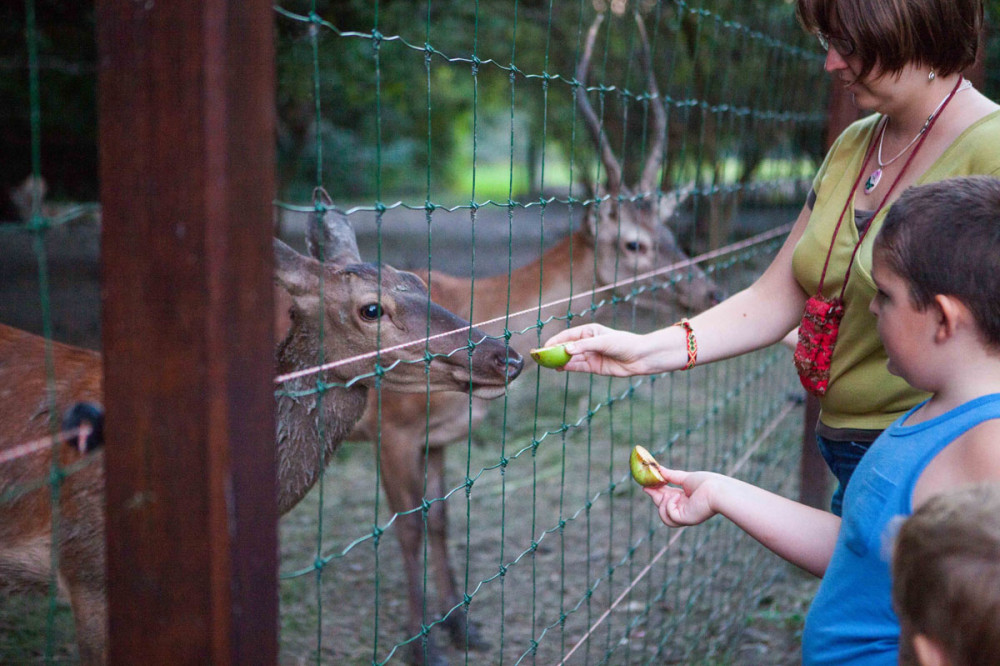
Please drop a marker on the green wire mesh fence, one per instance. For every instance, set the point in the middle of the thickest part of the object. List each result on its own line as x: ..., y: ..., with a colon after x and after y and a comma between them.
x: 464, y: 141
x: 455, y: 139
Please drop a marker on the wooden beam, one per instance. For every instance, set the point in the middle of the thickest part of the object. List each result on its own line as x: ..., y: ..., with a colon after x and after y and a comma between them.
x: 186, y: 102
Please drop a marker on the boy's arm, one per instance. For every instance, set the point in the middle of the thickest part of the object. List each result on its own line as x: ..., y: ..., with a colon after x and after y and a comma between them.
x: 800, y: 534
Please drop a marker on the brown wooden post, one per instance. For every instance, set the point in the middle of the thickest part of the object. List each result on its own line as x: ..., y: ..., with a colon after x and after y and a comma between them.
x: 186, y: 101
x: 815, y: 479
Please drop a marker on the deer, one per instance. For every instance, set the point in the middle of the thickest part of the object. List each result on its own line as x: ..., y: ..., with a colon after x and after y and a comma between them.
x: 624, y: 234
x: 363, y: 308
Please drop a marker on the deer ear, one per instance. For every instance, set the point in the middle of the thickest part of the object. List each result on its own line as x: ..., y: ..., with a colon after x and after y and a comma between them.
x: 330, y: 237
x: 298, y: 275
x: 671, y: 202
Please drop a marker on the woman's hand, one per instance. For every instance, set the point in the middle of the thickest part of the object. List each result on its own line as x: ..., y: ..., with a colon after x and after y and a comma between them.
x: 605, y: 351
x: 688, y: 504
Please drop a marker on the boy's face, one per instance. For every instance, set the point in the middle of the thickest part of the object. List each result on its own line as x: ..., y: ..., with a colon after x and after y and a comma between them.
x: 902, y: 327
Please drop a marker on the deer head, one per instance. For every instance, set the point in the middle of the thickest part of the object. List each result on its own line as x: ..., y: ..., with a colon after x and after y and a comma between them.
x: 354, y: 308
x: 628, y: 225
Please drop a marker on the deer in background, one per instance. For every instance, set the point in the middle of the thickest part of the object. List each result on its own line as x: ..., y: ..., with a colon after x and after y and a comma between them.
x: 362, y: 309
x: 624, y: 236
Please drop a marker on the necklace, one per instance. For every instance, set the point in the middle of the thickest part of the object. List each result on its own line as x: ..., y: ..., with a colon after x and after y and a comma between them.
x: 875, y: 176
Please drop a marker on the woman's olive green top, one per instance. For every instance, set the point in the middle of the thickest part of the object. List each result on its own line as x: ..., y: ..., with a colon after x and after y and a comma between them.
x: 862, y: 394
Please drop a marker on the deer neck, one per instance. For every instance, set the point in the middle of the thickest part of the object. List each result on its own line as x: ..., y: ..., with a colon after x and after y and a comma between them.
x: 310, y: 427
x: 567, y: 267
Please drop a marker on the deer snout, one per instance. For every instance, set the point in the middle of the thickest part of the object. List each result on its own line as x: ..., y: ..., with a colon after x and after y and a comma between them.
x: 90, y: 418
x: 493, y: 365
x: 511, y: 364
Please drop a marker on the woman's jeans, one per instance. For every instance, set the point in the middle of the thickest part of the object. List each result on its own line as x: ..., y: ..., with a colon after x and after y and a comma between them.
x: 842, y: 458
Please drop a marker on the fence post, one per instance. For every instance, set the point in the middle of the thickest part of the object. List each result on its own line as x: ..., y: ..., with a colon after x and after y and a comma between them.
x: 186, y: 102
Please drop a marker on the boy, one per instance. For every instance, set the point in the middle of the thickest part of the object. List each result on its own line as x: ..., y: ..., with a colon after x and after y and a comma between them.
x: 946, y: 579
x: 936, y: 268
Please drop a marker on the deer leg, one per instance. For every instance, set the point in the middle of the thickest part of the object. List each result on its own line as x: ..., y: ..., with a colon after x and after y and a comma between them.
x: 402, y: 479
x: 464, y: 633
x: 90, y: 615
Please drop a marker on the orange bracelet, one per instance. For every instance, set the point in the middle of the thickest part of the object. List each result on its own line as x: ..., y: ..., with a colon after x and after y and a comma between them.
x: 692, y: 343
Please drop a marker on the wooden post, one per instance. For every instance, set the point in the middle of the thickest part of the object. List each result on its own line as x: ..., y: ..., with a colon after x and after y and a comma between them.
x: 186, y: 101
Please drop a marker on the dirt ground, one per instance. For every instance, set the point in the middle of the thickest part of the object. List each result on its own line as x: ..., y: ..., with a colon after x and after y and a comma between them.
x: 561, y: 521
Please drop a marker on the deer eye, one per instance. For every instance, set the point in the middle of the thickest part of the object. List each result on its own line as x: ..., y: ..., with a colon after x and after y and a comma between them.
x: 634, y: 246
x: 370, y: 312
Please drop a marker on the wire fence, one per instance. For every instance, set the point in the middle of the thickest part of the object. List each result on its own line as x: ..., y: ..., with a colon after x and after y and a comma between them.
x: 510, y: 532
x: 454, y: 138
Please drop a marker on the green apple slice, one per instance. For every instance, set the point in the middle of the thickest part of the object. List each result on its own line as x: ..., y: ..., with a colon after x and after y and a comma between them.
x: 644, y: 468
x: 551, y: 357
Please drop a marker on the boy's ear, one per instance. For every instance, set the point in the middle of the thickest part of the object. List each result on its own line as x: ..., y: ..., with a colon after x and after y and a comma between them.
x: 951, y: 314
x: 929, y: 651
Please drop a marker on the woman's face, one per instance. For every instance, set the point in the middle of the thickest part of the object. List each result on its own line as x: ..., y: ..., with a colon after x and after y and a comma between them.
x: 876, y: 91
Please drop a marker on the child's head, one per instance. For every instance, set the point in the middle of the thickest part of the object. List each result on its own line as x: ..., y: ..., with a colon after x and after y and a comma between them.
x: 944, y: 238
x: 946, y: 578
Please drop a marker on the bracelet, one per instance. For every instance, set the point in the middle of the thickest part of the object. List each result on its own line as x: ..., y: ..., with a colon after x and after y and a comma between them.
x: 692, y: 343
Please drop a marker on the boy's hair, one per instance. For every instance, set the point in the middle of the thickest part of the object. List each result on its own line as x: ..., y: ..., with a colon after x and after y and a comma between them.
x: 944, y: 238
x: 946, y: 574
x: 942, y: 35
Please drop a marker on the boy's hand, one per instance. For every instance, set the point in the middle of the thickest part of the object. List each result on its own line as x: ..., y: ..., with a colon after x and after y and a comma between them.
x: 689, y: 504
x: 602, y: 350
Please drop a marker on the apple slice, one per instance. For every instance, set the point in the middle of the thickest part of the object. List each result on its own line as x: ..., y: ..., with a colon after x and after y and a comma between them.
x: 644, y: 468
x: 551, y: 357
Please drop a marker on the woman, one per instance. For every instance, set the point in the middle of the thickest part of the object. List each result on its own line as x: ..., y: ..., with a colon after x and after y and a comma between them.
x: 901, y: 59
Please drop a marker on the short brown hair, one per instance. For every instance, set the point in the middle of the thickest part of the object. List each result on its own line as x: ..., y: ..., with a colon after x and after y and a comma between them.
x: 944, y: 238
x: 941, y: 34
x: 946, y: 574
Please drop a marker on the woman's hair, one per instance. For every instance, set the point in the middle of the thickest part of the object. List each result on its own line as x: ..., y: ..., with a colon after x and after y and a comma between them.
x: 940, y: 34
x: 946, y: 574
x: 944, y: 238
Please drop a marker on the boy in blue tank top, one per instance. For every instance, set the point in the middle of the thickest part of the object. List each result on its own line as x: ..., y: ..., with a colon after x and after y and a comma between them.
x: 936, y: 268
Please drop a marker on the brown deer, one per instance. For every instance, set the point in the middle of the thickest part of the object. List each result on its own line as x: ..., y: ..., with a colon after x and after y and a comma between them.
x: 361, y: 308
x: 622, y: 237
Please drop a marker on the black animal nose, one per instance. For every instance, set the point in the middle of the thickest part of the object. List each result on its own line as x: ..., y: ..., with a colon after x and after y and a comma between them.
x: 511, y: 363
x: 90, y: 414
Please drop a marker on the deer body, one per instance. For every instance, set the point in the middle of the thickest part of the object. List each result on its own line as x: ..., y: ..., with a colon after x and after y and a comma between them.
x: 363, y: 308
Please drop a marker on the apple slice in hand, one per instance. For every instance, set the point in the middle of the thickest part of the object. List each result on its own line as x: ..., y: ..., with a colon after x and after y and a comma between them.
x: 644, y: 469
x: 551, y: 357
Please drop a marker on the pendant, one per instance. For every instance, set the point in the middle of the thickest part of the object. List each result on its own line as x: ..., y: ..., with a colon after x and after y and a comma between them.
x: 872, y: 181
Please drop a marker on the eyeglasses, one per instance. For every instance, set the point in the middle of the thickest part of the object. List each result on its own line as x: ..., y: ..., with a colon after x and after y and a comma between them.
x: 841, y: 45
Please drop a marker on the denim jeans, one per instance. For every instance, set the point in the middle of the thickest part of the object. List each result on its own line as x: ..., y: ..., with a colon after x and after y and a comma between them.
x: 842, y: 458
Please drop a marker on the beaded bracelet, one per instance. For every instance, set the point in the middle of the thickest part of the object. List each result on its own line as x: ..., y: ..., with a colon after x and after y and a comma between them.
x: 692, y: 343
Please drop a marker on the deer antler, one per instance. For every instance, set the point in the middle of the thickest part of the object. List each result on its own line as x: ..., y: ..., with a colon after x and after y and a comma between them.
x: 611, y: 166
x: 648, y: 182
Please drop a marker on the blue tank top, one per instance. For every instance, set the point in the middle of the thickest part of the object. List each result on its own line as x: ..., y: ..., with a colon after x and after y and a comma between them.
x: 851, y: 620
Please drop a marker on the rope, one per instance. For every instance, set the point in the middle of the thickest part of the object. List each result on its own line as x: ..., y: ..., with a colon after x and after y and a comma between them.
x: 702, y: 258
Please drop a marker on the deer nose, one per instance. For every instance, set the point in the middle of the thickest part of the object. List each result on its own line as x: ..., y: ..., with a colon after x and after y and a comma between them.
x: 510, y: 362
